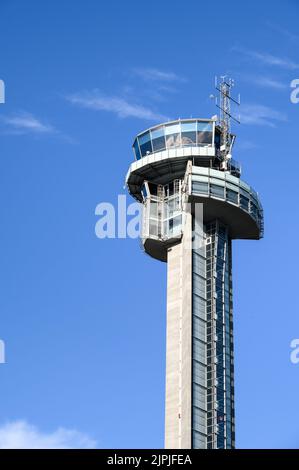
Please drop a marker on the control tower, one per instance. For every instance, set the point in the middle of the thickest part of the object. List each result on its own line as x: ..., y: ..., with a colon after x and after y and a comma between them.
x: 194, y: 205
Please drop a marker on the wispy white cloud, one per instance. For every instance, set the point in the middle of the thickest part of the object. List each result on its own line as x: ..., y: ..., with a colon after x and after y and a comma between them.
x: 261, y: 115
x: 283, y: 31
x: 21, y: 435
x: 268, y: 59
x: 267, y: 82
x: 23, y: 122
x: 121, y: 107
x: 152, y: 74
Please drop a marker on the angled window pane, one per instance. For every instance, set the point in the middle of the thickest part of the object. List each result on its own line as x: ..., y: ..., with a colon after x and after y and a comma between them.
x: 217, y: 191
x: 204, y: 126
x: 199, y: 187
x: 244, y: 202
x: 158, y: 139
x: 204, y: 133
x: 188, y: 133
x: 173, y: 135
x: 136, y: 150
x: 145, y: 144
x: 232, y: 196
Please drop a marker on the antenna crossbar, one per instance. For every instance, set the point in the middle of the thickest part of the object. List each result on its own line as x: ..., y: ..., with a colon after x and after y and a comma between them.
x: 226, y: 116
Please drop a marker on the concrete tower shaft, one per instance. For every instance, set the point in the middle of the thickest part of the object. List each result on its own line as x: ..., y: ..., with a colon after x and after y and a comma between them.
x: 192, y: 210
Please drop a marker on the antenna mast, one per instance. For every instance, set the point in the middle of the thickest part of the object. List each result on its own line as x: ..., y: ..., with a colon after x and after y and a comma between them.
x: 224, y: 88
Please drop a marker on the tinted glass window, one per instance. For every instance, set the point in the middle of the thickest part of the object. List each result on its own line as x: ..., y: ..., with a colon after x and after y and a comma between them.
x: 173, y: 136
x: 174, y: 225
x: 244, y: 202
x: 204, y: 126
x: 204, y: 133
x: 232, y: 196
x: 136, y: 150
x: 158, y: 139
x: 145, y: 144
x: 143, y: 190
x: 199, y: 187
x: 217, y: 191
x: 188, y: 133
x: 254, y: 210
x: 204, y: 138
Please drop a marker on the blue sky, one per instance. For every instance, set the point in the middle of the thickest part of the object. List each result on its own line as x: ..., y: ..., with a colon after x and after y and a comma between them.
x: 84, y: 350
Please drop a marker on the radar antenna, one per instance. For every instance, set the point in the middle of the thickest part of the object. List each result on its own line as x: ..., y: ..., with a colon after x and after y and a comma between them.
x: 224, y: 87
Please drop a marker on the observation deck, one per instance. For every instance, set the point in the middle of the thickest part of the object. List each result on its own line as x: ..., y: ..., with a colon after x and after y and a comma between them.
x: 161, y: 155
x: 161, y: 152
